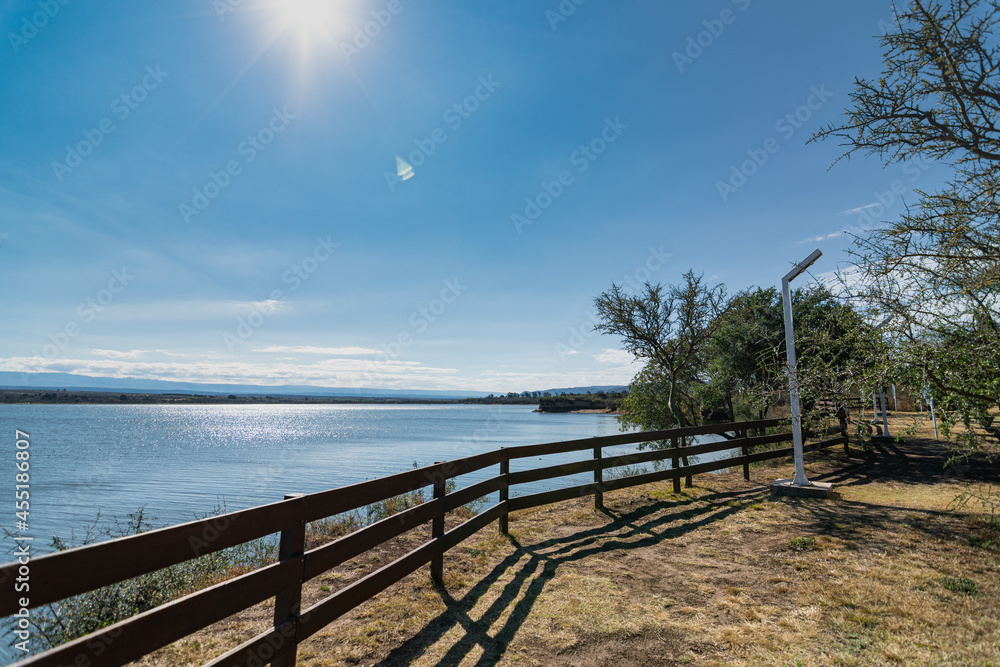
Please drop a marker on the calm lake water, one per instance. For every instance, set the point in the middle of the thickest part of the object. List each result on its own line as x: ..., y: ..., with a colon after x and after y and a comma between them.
x: 180, y: 461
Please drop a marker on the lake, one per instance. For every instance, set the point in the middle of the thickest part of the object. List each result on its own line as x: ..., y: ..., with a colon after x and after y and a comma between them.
x: 182, y: 461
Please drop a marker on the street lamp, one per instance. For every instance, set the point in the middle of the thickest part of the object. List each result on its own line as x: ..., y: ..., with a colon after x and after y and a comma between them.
x: 800, y: 485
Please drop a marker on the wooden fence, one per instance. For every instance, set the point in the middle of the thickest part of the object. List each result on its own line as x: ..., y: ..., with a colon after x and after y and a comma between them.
x: 63, y: 574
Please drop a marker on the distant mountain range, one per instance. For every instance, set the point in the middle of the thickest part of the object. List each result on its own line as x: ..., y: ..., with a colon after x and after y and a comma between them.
x: 9, y: 380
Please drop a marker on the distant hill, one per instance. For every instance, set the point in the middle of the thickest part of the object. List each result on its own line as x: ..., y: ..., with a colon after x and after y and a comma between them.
x: 9, y: 380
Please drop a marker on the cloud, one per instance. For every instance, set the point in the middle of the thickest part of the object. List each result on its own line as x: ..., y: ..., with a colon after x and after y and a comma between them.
x: 852, y: 211
x: 818, y: 239
x: 385, y: 373
x: 349, y: 351
x: 527, y: 381
x: 349, y: 373
x: 117, y: 354
x: 619, y: 357
x: 841, y: 281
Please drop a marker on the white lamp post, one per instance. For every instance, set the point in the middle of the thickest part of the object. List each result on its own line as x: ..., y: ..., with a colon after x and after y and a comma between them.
x: 800, y: 485
x: 885, y: 418
x: 793, y: 383
x: 927, y: 392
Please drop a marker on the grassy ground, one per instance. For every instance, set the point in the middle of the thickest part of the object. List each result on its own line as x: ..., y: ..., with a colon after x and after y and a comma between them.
x: 722, y: 574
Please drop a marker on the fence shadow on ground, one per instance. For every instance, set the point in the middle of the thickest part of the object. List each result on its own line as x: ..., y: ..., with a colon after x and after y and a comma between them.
x: 536, y: 564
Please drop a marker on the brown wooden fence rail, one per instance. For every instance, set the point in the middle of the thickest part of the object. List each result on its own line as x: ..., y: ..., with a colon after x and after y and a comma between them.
x: 60, y: 575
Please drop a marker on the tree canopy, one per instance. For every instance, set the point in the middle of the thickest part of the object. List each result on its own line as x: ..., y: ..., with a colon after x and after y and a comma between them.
x: 670, y: 329
x: 710, y: 356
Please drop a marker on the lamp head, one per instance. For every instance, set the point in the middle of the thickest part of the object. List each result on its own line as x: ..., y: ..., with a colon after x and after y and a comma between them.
x: 802, y: 266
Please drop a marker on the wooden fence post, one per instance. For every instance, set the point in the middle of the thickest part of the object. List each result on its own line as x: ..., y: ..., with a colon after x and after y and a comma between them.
x: 746, y: 452
x: 688, y: 481
x: 504, y: 489
x: 676, y: 464
x: 598, y: 478
x: 437, y: 528
x: 288, y: 602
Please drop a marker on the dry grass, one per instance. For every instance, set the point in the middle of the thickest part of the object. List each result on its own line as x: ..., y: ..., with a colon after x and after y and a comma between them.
x: 721, y: 574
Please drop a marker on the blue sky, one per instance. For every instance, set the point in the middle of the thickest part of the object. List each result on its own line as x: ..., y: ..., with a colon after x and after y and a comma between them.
x: 206, y: 191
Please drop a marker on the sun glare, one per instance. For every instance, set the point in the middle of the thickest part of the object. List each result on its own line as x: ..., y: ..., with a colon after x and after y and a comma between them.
x: 308, y: 19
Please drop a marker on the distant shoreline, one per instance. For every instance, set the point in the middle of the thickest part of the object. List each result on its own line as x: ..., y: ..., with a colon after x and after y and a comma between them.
x: 73, y: 397
x: 548, y: 405
x: 591, y: 411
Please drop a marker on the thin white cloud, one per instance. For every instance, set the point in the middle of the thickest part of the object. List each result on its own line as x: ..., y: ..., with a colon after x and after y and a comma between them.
x: 853, y: 211
x: 821, y: 238
x: 349, y: 351
x: 611, y: 356
x: 183, y: 355
x: 526, y: 381
x: 117, y: 354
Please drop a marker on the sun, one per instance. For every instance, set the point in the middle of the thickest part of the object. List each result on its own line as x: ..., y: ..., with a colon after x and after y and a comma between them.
x: 307, y: 19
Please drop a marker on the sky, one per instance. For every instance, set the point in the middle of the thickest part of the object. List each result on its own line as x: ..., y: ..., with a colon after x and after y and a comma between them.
x: 208, y: 190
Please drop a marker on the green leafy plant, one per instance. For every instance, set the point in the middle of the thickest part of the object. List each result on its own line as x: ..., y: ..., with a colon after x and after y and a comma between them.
x: 960, y: 585
x: 802, y: 543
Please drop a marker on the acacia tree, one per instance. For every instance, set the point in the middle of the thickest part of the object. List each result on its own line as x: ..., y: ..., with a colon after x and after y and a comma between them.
x: 838, y: 354
x: 743, y: 355
x: 935, y: 272
x: 669, y: 328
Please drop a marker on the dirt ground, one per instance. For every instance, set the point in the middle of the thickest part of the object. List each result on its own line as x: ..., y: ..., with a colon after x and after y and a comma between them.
x: 882, y: 573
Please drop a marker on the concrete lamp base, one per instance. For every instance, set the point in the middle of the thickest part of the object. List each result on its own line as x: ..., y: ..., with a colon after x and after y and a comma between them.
x: 785, y: 487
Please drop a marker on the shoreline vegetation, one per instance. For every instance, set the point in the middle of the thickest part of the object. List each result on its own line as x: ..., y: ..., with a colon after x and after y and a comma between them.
x: 600, y: 402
